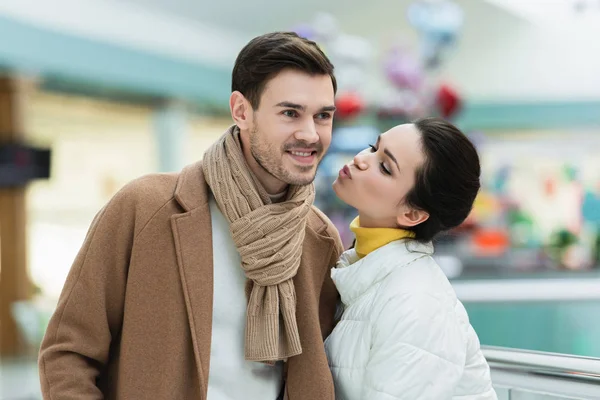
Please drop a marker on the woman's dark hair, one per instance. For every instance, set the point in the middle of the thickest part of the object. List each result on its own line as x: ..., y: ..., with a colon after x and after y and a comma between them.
x: 448, y: 181
x: 267, y: 55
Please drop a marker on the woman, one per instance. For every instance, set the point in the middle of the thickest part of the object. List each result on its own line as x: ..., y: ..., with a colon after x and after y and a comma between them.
x: 403, y: 333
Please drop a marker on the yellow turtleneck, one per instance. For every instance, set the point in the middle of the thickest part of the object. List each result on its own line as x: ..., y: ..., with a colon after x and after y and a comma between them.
x: 370, y: 239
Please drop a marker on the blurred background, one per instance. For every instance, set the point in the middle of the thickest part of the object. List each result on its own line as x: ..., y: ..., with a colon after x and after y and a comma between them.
x: 94, y: 93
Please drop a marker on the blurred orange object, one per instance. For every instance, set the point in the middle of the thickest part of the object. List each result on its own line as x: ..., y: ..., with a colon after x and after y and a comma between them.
x: 490, y: 242
x: 549, y: 187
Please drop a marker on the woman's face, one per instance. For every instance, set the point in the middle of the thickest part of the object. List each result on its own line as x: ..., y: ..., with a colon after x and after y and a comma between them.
x: 379, y: 178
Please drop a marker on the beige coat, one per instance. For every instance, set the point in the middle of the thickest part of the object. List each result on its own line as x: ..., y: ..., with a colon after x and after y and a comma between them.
x: 134, y: 319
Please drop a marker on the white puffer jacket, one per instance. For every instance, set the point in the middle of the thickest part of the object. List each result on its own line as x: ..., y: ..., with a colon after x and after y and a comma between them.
x: 403, y: 333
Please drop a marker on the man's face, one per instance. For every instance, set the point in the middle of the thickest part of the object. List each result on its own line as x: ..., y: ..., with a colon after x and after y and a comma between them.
x: 290, y: 131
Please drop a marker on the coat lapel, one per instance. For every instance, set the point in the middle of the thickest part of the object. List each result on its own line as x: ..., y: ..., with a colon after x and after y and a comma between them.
x: 192, y: 232
x: 308, y: 374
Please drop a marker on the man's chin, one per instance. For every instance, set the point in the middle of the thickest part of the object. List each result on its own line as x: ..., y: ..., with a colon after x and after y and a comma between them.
x: 299, y: 175
x: 301, y: 179
x: 303, y: 182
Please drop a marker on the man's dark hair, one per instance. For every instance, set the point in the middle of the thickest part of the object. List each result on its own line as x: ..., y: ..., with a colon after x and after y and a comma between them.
x: 267, y: 55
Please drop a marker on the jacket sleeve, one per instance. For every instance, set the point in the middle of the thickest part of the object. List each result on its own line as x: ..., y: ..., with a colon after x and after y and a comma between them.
x: 418, y: 350
x: 90, y: 308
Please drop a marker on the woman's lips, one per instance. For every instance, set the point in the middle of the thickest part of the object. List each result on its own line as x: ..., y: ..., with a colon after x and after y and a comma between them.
x: 345, y: 173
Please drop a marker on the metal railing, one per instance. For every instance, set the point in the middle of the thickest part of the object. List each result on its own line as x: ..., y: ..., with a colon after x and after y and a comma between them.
x: 530, y: 375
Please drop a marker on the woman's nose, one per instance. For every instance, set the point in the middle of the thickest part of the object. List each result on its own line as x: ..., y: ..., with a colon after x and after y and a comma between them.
x: 360, y: 161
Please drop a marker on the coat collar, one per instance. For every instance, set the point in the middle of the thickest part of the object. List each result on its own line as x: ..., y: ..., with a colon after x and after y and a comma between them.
x: 191, y: 190
x: 353, y: 276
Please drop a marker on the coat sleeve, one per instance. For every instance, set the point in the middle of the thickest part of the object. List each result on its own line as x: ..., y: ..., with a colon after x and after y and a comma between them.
x: 418, y: 350
x: 90, y: 308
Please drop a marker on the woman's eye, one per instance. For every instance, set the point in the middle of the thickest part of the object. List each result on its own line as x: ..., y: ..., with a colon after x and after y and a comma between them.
x: 381, y: 165
x: 384, y: 169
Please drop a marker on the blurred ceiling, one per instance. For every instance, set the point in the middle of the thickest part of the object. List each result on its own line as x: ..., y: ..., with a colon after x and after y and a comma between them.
x: 258, y: 16
x: 508, y: 49
x: 358, y: 16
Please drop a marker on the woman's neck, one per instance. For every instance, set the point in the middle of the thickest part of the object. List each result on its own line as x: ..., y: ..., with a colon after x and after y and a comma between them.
x: 369, y: 222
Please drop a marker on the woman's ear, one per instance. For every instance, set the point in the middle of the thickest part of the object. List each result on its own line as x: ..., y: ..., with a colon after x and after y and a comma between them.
x: 411, y: 217
x: 241, y: 110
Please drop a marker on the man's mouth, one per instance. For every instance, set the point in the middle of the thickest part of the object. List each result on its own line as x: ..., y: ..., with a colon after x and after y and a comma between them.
x: 302, y: 153
x: 303, y: 156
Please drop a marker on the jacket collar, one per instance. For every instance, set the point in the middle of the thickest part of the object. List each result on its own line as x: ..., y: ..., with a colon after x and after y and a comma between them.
x: 353, y: 276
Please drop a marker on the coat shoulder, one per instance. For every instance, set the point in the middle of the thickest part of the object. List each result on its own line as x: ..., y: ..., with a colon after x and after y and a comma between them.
x: 140, y: 199
x: 151, y: 188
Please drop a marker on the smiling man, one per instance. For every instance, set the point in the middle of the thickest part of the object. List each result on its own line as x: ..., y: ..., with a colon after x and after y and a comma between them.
x: 213, y: 283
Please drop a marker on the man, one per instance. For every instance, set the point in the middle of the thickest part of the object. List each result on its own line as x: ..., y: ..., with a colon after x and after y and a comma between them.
x: 213, y: 283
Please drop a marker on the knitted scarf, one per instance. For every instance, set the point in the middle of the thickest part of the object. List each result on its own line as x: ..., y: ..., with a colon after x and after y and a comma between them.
x: 269, y: 239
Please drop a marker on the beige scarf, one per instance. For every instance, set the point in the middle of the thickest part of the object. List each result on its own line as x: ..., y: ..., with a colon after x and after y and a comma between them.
x: 269, y: 238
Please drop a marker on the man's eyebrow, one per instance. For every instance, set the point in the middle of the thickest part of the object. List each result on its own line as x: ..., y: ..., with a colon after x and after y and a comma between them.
x: 295, y: 106
x: 328, y: 108
x: 289, y: 104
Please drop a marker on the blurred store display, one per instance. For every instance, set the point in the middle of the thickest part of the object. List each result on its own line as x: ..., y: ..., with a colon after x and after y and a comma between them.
x: 536, y: 210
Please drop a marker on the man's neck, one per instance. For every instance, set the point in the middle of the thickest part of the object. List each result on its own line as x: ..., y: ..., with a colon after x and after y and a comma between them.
x: 279, y: 197
x: 272, y: 185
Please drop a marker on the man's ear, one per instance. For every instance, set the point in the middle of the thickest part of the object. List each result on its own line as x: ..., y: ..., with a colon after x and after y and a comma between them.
x: 241, y: 110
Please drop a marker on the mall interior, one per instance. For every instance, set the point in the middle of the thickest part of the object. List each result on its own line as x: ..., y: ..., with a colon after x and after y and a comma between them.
x: 95, y: 93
